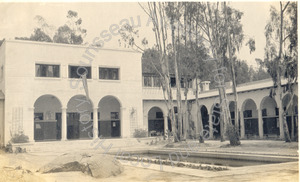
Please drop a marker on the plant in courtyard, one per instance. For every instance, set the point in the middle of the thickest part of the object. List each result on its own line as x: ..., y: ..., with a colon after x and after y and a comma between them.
x: 222, y: 23
x: 19, y: 138
x: 140, y: 133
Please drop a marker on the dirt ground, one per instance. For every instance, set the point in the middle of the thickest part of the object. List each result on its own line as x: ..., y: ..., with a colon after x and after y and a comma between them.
x: 24, y: 166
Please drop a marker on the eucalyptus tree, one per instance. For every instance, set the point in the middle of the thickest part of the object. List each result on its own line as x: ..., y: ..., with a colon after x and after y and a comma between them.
x: 281, y: 54
x: 71, y: 32
x: 223, y: 32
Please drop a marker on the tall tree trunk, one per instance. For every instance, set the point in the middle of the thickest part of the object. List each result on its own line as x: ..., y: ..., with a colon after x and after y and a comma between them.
x: 199, y: 128
x: 292, y: 123
x: 185, y: 118
x: 222, y: 92
x: 178, y: 90
x: 158, y: 18
x: 278, y: 83
x: 234, y: 131
x: 197, y: 108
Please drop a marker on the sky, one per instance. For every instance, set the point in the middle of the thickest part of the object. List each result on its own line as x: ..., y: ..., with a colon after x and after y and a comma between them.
x: 17, y: 20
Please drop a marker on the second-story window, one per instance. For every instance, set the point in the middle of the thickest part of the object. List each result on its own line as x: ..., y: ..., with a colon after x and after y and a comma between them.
x: 77, y: 71
x: 109, y: 73
x: 46, y: 70
x: 156, y: 81
x: 147, y: 81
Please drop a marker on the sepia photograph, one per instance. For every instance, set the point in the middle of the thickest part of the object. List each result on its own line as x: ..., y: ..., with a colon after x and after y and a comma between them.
x: 158, y: 91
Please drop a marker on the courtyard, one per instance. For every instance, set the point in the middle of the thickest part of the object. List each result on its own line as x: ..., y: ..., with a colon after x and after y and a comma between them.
x: 24, y: 166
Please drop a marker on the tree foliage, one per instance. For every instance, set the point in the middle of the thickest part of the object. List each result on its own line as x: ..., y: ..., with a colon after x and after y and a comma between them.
x: 38, y: 35
x: 69, y: 33
x: 281, y: 53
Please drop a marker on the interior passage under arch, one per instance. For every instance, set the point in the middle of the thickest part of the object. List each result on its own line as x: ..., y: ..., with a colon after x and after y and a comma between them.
x: 109, y: 117
x: 47, y: 118
x: 155, y: 122
x: 270, y: 117
x: 250, y: 115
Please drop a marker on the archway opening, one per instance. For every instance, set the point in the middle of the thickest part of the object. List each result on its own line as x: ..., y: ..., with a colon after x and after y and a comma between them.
x: 292, y: 113
x: 270, y: 114
x: 109, y: 115
x: 216, y: 121
x: 232, y: 115
x: 155, y: 122
x: 47, y: 118
x: 205, y: 117
x: 232, y: 112
x: 250, y: 116
x: 79, y: 120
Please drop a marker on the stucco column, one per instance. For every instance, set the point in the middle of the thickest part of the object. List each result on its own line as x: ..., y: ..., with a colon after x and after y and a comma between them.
x: 242, y: 124
x: 125, y: 124
x: 95, y: 122
x: 165, y: 124
x: 64, y: 124
x: 280, y: 110
x: 145, y: 123
x: 210, y: 122
x: 30, y: 130
x: 260, y: 124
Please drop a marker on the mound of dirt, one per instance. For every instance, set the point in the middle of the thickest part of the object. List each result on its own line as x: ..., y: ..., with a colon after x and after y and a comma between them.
x: 95, y: 165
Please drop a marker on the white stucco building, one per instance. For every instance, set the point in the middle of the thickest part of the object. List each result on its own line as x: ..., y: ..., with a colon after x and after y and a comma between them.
x: 42, y: 96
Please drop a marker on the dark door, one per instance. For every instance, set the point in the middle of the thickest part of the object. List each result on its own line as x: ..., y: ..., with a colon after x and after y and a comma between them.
x: 115, y: 128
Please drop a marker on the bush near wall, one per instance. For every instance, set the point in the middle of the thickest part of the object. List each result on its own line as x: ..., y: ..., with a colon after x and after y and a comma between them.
x: 20, y: 138
x: 140, y: 133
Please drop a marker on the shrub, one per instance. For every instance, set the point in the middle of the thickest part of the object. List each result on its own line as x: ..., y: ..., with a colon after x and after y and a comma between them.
x: 19, y: 138
x: 233, y: 135
x: 140, y: 133
x: 8, y: 148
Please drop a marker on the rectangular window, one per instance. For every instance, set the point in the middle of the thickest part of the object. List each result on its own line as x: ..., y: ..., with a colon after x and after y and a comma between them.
x: 109, y: 73
x: 114, y: 115
x: 38, y: 116
x: 77, y: 71
x: 46, y: 70
x: 175, y: 110
x: 173, y: 82
x: 182, y: 84
x: 147, y: 81
x: 156, y: 81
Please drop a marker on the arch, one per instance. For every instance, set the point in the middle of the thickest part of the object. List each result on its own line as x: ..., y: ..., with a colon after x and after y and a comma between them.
x: 215, y: 114
x: 109, y: 117
x: 156, y: 121
x: 292, y: 113
x: 47, y: 118
x: 79, y: 118
x: 270, y: 118
x: 250, y: 115
x: 79, y: 100
x: 205, y: 117
x: 268, y: 102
